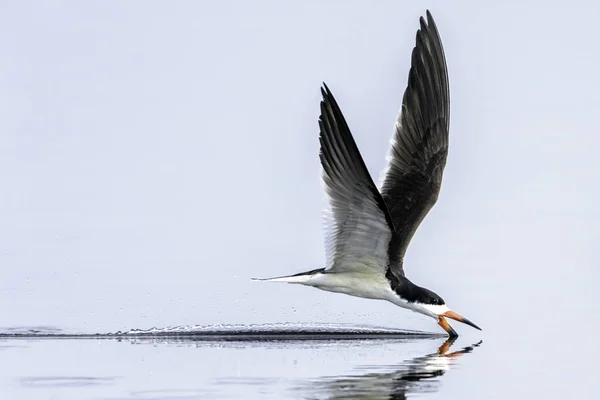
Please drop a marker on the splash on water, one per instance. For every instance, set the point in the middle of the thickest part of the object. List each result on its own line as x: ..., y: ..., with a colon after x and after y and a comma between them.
x: 232, y: 332
x: 280, y: 328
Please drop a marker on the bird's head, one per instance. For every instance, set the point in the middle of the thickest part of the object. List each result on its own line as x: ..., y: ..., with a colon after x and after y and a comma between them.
x: 430, y: 303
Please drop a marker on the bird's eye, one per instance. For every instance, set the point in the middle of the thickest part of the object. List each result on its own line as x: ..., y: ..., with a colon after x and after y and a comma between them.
x: 434, y: 301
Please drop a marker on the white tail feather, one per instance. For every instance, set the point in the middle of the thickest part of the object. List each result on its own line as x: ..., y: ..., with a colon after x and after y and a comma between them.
x: 288, y: 279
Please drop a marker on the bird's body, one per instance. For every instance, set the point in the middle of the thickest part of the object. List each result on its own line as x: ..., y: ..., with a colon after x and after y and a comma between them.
x: 369, y: 229
x: 363, y: 284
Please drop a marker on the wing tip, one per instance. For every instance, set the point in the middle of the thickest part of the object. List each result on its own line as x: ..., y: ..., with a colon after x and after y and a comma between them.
x: 325, y: 92
x: 428, y: 15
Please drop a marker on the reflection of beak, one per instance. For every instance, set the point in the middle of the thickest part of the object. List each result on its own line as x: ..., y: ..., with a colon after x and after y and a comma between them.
x: 451, y: 314
x: 444, y: 348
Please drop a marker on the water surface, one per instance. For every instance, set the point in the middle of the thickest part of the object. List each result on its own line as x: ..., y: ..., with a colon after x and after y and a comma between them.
x: 271, y: 361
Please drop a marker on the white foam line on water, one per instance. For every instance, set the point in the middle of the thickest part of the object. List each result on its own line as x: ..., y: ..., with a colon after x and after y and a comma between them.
x: 267, y: 328
x: 279, y: 331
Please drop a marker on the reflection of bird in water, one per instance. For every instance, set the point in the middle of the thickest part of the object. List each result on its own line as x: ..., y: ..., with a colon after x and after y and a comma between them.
x: 370, y: 229
x: 414, y: 376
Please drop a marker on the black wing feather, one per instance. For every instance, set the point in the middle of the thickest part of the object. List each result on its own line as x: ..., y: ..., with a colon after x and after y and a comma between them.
x: 420, y: 143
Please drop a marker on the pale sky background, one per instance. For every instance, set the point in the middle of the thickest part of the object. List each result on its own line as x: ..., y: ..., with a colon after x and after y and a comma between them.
x: 157, y: 155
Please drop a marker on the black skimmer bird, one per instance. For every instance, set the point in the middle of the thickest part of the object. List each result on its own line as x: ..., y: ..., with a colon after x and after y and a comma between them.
x: 368, y: 230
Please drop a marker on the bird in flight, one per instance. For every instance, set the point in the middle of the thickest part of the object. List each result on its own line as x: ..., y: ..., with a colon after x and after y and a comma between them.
x: 368, y: 230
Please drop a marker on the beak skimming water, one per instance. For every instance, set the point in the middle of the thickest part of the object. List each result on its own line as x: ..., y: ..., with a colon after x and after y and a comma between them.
x: 455, y: 316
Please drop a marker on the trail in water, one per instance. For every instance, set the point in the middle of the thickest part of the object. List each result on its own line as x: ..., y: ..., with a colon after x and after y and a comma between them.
x: 225, y: 332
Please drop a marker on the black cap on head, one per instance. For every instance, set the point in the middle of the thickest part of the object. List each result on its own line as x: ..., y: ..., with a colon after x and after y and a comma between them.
x: 416, y: 294
x: 428, y: 297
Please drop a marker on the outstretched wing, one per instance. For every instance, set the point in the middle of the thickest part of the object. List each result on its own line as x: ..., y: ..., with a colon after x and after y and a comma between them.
x: 360, y: 227
x: 420, y: 144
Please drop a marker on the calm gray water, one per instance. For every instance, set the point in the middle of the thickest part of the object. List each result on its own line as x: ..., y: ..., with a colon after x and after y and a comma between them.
x: 256, y: 362
x: 287, y: 361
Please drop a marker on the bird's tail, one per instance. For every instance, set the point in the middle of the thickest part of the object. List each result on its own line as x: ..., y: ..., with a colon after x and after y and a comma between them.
x: 302, y: 277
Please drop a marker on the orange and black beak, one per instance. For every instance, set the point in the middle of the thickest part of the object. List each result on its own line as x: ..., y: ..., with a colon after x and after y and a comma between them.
x: 457, y: 317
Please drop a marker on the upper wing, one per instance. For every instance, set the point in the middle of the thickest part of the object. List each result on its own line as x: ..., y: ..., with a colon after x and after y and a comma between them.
x: 360, y: 227
x: 420, y: 143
